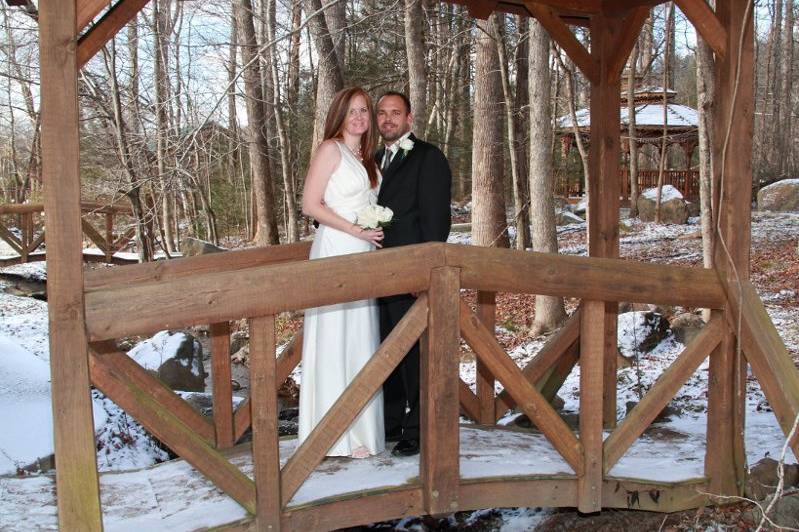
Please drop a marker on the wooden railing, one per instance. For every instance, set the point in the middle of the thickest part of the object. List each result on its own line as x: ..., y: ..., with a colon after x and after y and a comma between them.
x: 686, y: 181
x: 29, y: 219
x: 258, y: 284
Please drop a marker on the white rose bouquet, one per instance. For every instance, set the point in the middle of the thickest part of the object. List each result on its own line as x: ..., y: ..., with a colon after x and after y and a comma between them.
x: 374, y: 216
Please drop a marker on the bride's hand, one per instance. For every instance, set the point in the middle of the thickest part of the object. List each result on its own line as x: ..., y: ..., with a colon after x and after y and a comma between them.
x: 373, y: 236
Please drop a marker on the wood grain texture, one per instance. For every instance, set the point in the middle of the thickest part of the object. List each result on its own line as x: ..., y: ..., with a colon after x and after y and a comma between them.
x: 529, y: 400
x: 510, y: 270
x: 114, y: 20
x: 353, y: 399
x: 633, y: 22
x: 439, y: 462
x: 168, y: 428
x: 592, y: 346
x: 707, y: 25
x: 486, y: 310
x: 73, y: 423
x: 667, y: 385
x: 229, y: 295
x: 265, y: 444
x: 88, y: 9
x: 222, y: 386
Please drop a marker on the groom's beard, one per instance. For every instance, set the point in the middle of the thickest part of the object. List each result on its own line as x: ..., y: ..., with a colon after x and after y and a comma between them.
x: 393, y: 134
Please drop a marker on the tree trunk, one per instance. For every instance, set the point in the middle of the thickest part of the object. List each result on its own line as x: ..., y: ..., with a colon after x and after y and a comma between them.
x: 162, y: 31
x: 705, y: 91
x: 266, y: 232
x: 777, y: 131
x: 787, y: 144
x: 549, y: 310
x: 336, y: 19
x: 417, y: 72
x: 489, y: 220
x: 664, y: 141
x: 521, y: 220
x: 632, y: 133
x: 330, y: 78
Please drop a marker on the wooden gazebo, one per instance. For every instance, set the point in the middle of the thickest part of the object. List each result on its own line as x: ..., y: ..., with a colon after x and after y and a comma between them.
x: 89, y: 310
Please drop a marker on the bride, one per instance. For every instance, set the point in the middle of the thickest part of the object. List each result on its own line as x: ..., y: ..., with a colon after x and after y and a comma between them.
x: 339, y: 339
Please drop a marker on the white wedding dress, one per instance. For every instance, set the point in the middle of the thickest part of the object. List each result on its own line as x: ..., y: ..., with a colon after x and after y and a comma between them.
x: 339, y: 339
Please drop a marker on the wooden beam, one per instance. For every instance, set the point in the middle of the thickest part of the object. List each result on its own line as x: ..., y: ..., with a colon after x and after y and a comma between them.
x: 614, y: 8
x: 73, y: 423
x: 561, y: 34
x: 530, y: 401
x: 625, y: 41
x: 353, y: 399
x: 265, y: 442
x: 549, y: 354
x: 88, y: 10
x: 662, y: 392
x: 510, y: 270
x: 168, y: 428
x: 106, y: 28
x: 229, y: 295
x: 468, y: 401
x: 481, y: 9
x: 485, y: 383
x: 93, y: 235
x: 10, y: 239
x: 222, y: 386
x: 439, y: 462
x: 706, y: 23
x: 763, y: 347
x: 592, y: 350
x: 160, y: 393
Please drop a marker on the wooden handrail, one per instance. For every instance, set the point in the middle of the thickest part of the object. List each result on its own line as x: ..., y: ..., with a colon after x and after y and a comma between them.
x: 86, y: 207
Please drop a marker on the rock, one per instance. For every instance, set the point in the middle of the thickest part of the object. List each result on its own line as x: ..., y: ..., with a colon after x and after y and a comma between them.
x: 191, y: 247
x: 673, y: 209
x: 567, y: 217
x: 686, y: 326
x: 694, y: 209
x: 669, y: 411
x: 238, y: 340
x: 176, y: 358
x: 762, y: 479
x: 784, y: 513
x: 640, y: 332
x: 581, y: 207
x: 782, y: 196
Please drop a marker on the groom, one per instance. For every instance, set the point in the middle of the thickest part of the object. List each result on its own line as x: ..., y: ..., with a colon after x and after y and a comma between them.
x: 416, y: 186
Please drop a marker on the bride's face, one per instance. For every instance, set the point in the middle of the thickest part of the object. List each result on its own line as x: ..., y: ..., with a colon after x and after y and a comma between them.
x: 357, y: 122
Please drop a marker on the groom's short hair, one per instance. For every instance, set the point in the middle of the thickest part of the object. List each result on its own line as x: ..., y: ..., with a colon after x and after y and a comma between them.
x: 401, y: 95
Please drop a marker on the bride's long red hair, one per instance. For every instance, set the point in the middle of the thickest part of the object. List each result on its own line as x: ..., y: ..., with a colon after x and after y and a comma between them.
x: 334, y: 127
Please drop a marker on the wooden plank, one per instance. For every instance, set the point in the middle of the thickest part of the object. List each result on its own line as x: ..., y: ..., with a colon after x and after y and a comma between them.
x: 353, y: 399
x: 167, y: 270
x: 486, y: 310
x: 123, y: 240
x: 530, y: 401
x: 653, y: 496
x: 549, y: 354
x: 286, y: 362
x: 733, y: 123
x: 38, y: 241
x: 168, y: 428
x: 222, y: 386
x: 73, y: 423
x: 662, y: 392
x: 561, y: 34
x: 706, y: 23
x: 510, y: 270
x: 229, y: 295
x: 265, y: 444
x: 439, y: 463
x: 88, y: 10
x: 159, y: 392
x: 592, y: 346
x: 106, y: 28
x: 551, y: 384
x: 10, y: 239
x: 481, y: 9
x: 93, y: 235
x: 625, y: 41
x: 468, y: 401
x: 771, y: 362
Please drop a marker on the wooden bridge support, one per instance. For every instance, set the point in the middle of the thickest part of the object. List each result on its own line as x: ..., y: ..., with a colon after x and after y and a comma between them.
x: 76, y: 474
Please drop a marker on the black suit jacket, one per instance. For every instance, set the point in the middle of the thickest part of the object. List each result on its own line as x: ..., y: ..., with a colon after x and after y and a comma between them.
x: 417, y: 187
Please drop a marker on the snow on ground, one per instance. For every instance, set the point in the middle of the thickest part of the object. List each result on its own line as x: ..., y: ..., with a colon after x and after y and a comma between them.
x: 667, y: 193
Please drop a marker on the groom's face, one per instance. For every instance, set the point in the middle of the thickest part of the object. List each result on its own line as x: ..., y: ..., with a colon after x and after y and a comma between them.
x: 393, y: 118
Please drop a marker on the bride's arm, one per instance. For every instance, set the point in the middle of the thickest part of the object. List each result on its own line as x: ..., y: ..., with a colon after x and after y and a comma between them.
x: 323, y: 164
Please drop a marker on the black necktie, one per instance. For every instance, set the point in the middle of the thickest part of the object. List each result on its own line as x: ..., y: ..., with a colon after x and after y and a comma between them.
x: 387, y: 160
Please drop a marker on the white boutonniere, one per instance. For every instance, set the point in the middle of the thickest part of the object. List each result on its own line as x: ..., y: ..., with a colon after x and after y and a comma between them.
x: 406, y: 145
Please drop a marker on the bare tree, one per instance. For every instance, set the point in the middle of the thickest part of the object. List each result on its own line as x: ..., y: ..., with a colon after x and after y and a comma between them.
x: 417, y: 70
x: 632, y: 131
x: 549, y: 310
x: 704, y: 92
x: 330, y: 77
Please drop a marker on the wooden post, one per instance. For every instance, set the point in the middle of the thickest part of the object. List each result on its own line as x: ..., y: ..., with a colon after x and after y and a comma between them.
x: 222, y: 389
x: 487, y: 312
x: 725, y: 462
x: 440, y: 431
x: 109, y: 237
x: 73, y: 426
x: 265, y: 444
x: 27, y: 235
x: 593, y: 327
x: 604, y: 183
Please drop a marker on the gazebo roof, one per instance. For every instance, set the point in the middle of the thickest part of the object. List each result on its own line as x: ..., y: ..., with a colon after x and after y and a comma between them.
x: 648, y: 115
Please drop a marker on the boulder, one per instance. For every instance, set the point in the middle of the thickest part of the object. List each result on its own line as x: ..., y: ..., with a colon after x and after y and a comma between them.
x: 640, y: 332
x: 762, y: 479
x: 686, y: 326
x: 782, y: 196
x: 567, y: 217
x: 191, y: 247
x: 175, y: 358
x: 673, y: 208
x: 694, y: 209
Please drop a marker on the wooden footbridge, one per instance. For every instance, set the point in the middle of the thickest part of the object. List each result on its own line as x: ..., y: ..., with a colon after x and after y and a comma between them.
x: 88, y: 313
